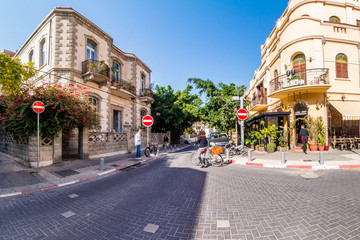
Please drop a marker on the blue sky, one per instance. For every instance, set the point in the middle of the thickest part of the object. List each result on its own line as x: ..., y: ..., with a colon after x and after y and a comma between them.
x: 178, y: 39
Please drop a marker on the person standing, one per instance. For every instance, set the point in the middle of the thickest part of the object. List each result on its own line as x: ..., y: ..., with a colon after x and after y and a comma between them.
x: 304, y: 133
x: 166, y: 141
x: 203, y: 147
x: 138, y: 143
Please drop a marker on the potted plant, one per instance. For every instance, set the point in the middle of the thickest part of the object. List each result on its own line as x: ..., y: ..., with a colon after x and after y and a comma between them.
x: 93, y: 66
x: 312, y: 129
x: 283, y: 139
x: 270, y: 147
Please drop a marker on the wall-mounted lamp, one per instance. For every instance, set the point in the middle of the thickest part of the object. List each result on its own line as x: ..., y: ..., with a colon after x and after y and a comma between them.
x: 323, y: 41
x: 310, y: 59
x: 343, y: 97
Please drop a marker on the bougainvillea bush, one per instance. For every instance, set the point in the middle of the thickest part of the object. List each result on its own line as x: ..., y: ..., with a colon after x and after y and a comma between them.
x: 65, y: 108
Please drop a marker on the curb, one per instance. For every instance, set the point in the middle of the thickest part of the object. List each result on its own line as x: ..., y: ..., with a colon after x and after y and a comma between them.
x: 294, y: 166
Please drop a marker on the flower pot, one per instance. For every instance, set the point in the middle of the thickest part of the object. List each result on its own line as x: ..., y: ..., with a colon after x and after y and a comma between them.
x: 114, y: 83
x: 283, y: 149
x: 313, y: 147
x: 321, y: 148
x: 261, y: 149
x: 326, y: 148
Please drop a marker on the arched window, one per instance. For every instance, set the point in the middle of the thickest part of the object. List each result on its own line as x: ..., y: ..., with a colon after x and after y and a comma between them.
x: 31, y: 56
x: 116, y: 71
x: 143, y: 113
x: 299, y: 65
x: 142, y: 83
x: 334, y: 19
x: 90, y: 50
x: 94, y: 103
x: 42, y: 52
x: 341, y: 66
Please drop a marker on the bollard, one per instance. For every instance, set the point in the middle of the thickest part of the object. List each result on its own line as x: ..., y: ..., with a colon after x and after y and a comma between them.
x: 101, y: 164
x: 249, y: 155
x: 227, y: 154
x: 322, y: 158
x: 283, y: 158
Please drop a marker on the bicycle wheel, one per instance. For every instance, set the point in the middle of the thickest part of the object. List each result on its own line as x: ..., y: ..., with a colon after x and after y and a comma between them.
x: 195, y: 160
x: 147, y: 151
x: 216, y: 160
x: 155, y: 150
x: 244, y: 151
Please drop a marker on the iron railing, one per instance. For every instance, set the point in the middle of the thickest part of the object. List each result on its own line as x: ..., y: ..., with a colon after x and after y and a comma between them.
x: 146, y: 93
x: 307, y: 77
x: 258, y: 100
x: 94, y: 66
x: 122, y: 84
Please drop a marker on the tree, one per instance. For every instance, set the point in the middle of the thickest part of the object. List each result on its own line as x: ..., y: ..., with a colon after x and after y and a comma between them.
x: 13, y: 74
x: 219, y: 110
x: 174, y: 112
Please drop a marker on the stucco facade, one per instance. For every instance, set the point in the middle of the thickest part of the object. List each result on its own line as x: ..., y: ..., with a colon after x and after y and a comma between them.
x: 68, y: 48
x: 320, y: 40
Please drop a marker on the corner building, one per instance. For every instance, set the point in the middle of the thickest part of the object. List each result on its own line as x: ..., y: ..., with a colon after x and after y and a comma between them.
x: 310, y: 65
x: 68, y: 48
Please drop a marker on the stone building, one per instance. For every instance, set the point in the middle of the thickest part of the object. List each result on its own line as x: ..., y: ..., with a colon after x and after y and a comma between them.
x: 310, y: 66
x: 67, y: 48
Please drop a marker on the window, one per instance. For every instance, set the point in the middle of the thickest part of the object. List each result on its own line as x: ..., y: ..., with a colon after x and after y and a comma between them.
x: 341, y: 66
x: 143, y: 113
x: 334, y: 19
x: 142, y: 83
x: 31, y: 56
x: 299, y: 65
x: 94, y: 103
x: 276, y: 79
x: 117, y: 121
x: 42, y: 53
x: 116, y: 71
x: 90, y: 50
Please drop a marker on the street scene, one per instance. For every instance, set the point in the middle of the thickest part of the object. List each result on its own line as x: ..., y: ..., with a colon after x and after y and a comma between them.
x: 180, y: 120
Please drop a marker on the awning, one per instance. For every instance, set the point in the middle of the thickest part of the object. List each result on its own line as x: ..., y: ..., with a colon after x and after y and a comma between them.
x: 349, y: 110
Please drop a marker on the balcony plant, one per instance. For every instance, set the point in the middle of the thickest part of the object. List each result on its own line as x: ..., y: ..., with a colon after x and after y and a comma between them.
x: 93, y: 66
x: 295, y: 76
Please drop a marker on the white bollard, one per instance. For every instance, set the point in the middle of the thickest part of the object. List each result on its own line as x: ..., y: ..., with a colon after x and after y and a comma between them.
x: 101, y: 168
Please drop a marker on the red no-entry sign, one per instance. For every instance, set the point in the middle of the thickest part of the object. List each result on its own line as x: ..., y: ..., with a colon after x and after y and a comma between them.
x: 147, y: 121
x: 38, y: 107
x: 242, y: 114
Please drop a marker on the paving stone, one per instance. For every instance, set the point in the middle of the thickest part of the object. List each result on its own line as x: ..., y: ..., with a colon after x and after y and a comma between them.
x: 68, y: 214
x: 151, y: 228
x: 74, y: 195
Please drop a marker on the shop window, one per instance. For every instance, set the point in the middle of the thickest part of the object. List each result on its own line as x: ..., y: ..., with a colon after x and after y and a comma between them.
x: 341, y: 66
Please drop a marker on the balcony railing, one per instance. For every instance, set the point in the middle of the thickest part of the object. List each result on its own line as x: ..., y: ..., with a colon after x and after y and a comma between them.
x: 308, y: 77
x: 258, y: 100
x: 125, y: 85
x: 95, y: 67
x: 146, y: 93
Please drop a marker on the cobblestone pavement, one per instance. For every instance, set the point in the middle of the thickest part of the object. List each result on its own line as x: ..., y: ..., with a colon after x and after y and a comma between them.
x: 171, y: 199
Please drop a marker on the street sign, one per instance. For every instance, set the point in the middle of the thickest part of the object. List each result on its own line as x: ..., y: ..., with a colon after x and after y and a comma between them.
x: 242, y: 114
x: 38, y: 107
x: 147, y: 121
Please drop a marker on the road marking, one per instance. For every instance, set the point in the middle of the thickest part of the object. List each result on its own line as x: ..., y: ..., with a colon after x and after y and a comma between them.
x: 223, y: 223
x: 10, y: 194
x: 73, y: 195
x: 106, y: 172
x: 151, y: 228
x: 68, y: 214
x: 68, y: 183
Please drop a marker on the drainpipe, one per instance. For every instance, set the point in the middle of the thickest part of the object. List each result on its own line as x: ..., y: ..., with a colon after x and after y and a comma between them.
x: 326, y: 120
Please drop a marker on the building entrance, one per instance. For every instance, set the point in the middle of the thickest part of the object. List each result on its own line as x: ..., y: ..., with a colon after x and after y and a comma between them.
x: 301, y: 112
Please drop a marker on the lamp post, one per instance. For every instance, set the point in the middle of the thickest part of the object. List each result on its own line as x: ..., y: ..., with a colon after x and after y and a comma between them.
x: 241, y: 99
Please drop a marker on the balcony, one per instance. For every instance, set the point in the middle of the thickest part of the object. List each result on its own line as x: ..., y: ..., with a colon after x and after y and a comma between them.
x: 258, y: 103
x: 95, y: 71
x: 314, y: 80
x: 122, y: 88
x: 146, y: 95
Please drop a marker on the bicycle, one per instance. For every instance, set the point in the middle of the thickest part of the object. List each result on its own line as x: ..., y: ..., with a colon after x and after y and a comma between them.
x: 152, y: 149
x: 243, y: 150
x: 213, y: 157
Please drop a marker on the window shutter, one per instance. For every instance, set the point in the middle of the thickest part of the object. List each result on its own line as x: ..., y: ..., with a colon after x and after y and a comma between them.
x: 344, y: 70
x: 338, y: 70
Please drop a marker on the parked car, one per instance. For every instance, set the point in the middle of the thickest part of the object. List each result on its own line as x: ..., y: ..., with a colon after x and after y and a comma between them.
x: 219, y: 139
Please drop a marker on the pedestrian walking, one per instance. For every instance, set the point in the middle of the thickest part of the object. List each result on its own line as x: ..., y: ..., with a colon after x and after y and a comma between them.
x: 304, y: 133
x: 203, y: 147
x: 138, y: 143
x: 166, y: 141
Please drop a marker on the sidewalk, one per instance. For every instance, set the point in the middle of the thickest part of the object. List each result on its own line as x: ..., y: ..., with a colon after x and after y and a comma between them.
x: 333, y: 159
x: 16, y: 179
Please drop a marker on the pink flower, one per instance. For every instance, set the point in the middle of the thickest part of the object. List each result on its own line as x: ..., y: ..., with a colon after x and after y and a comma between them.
x: 71, y: 85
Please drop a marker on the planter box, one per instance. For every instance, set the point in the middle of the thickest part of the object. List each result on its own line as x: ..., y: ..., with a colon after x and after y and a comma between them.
x: 283, y: 149
x: 261, y: 149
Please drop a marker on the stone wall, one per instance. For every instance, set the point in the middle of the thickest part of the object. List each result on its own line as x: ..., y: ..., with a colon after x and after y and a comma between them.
x: 107, y: 142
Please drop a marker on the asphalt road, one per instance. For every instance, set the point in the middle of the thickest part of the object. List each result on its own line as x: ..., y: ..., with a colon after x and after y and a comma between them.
x: 169, y: 198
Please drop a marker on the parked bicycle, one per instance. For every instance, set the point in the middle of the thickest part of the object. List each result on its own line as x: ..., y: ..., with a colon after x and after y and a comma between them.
x: 243, y: 150
x: 213, y: 157
x: 152, y: 149
x: 233, y: 150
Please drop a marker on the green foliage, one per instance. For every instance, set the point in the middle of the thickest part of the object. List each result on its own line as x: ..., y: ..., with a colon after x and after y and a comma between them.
x: 65, y: 108
x: 175, y: 112
x: 219, y: 110
x: 296, y: 76
x: 252, y: 140
x: 190, y: 130
x: 14, y: 74
x: 283, y: 138
x: 320, y: 128
x: 270, y: 148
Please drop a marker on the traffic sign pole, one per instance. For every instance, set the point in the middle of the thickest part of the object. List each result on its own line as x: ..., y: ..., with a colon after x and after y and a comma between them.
x: 38, y: 137
x: 147, y: 121
x: 242, y: 122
